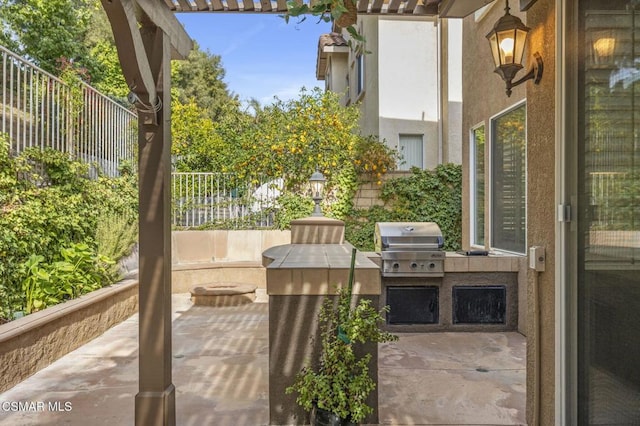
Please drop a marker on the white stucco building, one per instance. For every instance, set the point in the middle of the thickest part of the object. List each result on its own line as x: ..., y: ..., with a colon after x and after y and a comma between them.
x: 408, y: 85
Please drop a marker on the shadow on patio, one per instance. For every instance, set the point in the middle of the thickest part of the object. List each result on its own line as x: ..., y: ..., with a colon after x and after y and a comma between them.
x: 220, y: 370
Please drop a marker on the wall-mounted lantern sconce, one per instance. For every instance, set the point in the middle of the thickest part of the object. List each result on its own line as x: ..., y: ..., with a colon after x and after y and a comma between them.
x: 317, y: 181
x: 508, y: 39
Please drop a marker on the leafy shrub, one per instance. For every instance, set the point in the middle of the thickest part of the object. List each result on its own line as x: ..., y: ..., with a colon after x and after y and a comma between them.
x: 373, y: 159
x: 48, y: 204
x: 360, y: 225
x: 77, y: 271
x: 341, y: 382
x: 291, y: 206
x: 115, y: 237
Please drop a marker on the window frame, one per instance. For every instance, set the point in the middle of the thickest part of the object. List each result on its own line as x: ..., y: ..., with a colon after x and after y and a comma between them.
x: 360, y: 75
x: 473, y: 202
x: 422, y: 145
x: 489, y: 170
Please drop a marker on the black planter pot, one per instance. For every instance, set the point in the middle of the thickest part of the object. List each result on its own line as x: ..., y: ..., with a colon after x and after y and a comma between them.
x: 321, y: 417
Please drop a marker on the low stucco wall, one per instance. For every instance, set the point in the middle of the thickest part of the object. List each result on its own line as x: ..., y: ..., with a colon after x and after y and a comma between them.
x: 200, y: 257
x: 33, y: 342
x: 203, y: 247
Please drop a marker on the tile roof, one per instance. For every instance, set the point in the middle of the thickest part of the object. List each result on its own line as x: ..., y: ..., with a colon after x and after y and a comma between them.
x: 327, y: 40
x: 332, y: 39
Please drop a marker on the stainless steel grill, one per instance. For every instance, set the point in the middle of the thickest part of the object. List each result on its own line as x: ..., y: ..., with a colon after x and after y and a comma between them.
x: 410, y: 249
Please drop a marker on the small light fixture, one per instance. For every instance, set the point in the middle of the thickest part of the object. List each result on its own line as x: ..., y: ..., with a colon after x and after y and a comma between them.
x: 317, y: 181
x: 508, y: 39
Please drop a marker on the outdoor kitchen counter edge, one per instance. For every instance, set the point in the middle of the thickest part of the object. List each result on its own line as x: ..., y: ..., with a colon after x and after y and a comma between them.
x: 500, y: 262
x: 316, y: 269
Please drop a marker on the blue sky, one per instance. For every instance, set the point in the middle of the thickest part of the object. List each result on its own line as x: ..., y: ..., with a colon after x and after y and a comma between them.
x: 262, y: 55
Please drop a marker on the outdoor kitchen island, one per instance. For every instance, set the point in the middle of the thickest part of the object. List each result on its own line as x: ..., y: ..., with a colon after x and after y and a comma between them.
x: 475, y: 293
x: 428, y: 289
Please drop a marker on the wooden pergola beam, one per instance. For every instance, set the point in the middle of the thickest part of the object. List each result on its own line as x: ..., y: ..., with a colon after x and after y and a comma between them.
x: 163, y: 18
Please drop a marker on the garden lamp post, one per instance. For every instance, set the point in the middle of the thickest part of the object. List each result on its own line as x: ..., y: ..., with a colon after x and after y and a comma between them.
x: 317, y: 181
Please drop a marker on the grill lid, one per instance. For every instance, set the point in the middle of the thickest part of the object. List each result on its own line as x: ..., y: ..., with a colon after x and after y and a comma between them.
x: 407, y: 236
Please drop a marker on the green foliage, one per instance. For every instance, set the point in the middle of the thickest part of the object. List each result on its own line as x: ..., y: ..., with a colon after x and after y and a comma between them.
x: 104, y: 64
x: 72, y: 76
x: 46, y: 30
x: 291, y: 206
x: 329, y: 11
x: 345, y: 189
x: 341, y: 383
x: 53, y: 205
x: 195, y: 144
x: 57, y: 33
x: 424, y: 196
x: 115, y: 237
x: 360, y: 225
x: 56, y: 168
x: 76, y: 271
x: 292, y: 139
x: 200, y: 79
x: 288, y: 140
x: 106, y: 76
x: 373, y: 159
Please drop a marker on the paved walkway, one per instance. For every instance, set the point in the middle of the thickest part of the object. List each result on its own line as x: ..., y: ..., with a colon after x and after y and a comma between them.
x: 221, y: 376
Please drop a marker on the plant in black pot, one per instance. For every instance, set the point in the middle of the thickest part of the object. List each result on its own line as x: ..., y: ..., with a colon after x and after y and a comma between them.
x: 335, y: 391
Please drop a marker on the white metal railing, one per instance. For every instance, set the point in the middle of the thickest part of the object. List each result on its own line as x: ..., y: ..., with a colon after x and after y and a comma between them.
x: 37, y: 111
x: 222, y: 199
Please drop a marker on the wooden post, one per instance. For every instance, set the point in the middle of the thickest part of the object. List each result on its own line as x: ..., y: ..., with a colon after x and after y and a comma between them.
x: 155, y: 401
x: 146, y: 35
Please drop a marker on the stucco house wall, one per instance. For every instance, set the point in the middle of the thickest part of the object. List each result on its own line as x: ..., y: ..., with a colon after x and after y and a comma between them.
x: 451, y: 83
x: 370, y: 97
x: 338, y: 75
x: 541, y: 212
x: 484, y: 96
x: 405, y: 89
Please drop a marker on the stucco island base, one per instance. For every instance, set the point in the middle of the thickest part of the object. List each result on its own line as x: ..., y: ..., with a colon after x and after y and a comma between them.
x: 223, y: 294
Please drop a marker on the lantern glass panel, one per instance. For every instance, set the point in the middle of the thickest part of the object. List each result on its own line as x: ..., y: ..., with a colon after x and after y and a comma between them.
x: 520, y: 40
x: 317, y: 188
x: 495, y: 49
x: 506, y: 42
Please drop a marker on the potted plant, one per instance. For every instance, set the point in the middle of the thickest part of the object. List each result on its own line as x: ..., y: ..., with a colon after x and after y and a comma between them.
x: 335, y: 390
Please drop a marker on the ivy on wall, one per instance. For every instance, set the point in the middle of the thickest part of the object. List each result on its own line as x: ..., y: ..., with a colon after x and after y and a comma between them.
x: 423, y: 196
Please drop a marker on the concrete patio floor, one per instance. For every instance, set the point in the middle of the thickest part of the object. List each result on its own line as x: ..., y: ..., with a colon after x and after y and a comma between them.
x: 220, y: 371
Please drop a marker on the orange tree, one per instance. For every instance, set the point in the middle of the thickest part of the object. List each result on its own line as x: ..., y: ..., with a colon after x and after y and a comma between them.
x: 289, y: 140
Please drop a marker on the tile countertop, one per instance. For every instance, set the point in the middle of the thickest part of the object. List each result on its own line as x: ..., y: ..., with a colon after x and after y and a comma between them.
x: 339, y: 255
x: 494, y: 262
x: 328, y: 256
x: 317, y: 269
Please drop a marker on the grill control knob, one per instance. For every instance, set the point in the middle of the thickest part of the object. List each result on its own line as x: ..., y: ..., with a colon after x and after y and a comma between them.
x: 432, y: 265
x: 396, y: 265
x: 414, y: 265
